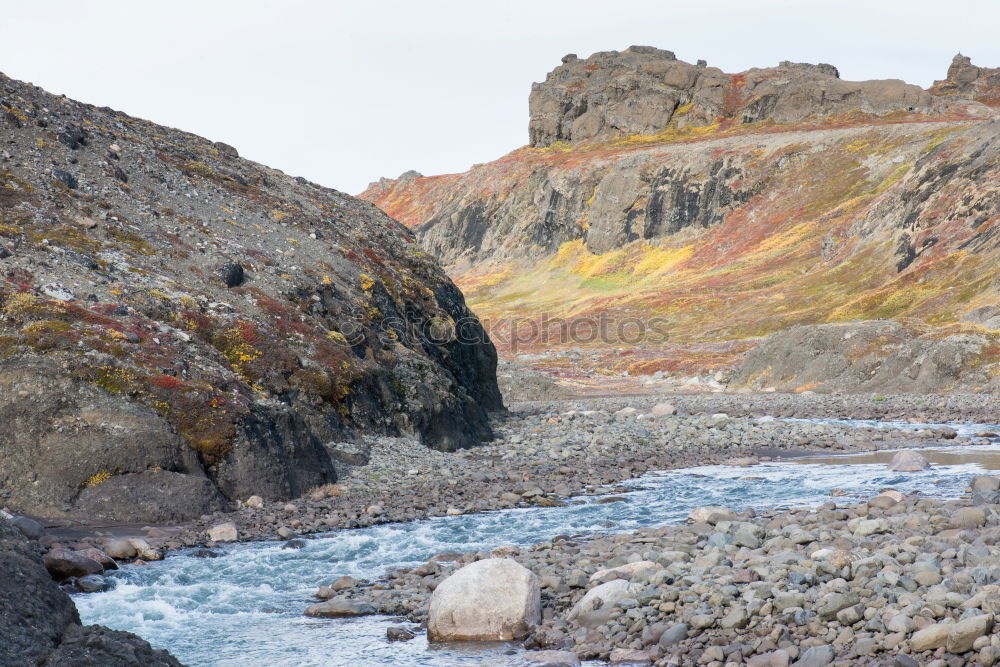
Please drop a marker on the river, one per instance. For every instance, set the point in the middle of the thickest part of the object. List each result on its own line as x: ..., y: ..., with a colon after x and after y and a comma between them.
x: 245, y: 607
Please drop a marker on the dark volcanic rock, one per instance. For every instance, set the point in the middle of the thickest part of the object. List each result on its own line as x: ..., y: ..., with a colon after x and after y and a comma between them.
x: 40, y: 625
x: 34, y: 613
x: 100, y: 452
x: 231, y: 274
x: 97, y: 646
x: 151, y: 495
x: 66, y: 178
x: 177, y: 383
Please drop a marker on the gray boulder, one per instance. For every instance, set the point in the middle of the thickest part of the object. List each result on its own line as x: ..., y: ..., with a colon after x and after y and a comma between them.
x: 340, y: 608
x: 65, y: 563
x: 28, y: 527
x: 815, y: 656
x: 489, y: 600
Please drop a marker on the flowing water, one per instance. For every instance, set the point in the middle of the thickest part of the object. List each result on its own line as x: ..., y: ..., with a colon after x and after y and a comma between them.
x: 245, y: 607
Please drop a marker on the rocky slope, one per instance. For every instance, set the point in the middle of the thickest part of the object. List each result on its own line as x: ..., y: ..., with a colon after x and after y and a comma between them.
x: 707, y: 210
x: 40, y: 625
x: 180, y: 327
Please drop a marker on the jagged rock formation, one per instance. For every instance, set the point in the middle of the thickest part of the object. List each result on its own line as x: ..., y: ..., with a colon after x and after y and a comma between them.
x: 40, y: 625
x: 180, y: 326
x: 964, y: 79
x: 643, y: 89
x: 830, y: 209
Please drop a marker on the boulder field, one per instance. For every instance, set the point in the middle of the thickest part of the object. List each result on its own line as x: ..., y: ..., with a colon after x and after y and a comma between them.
x: 896, y: 580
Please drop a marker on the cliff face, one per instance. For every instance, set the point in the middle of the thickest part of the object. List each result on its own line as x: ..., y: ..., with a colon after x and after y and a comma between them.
x: 179, y: 325
x: 880, y: 202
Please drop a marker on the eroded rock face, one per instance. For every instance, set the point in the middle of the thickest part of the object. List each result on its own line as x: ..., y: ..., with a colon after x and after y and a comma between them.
x: 194, y: 327
x: 39, y: 623
x: 76, y: 450
x: 489, y: 600
x: 641, y: 90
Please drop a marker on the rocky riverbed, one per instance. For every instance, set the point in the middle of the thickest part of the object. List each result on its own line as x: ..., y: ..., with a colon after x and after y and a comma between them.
x: 546, y: 452
x: 895, y: 580
x: 549, y: 452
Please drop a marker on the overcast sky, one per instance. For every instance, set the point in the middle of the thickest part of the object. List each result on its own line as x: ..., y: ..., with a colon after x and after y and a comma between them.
x: 345, y: 92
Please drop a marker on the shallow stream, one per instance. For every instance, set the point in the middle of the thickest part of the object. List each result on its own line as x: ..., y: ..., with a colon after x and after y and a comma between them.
x: 245, y: 607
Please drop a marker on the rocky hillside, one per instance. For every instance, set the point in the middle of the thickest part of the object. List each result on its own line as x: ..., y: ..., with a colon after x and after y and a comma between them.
x: 714, y: 209
x: 180, y: 327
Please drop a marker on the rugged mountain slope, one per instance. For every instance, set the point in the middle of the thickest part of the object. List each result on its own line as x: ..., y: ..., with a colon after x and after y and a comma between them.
x: 799, y: 199
x: 179, y: 326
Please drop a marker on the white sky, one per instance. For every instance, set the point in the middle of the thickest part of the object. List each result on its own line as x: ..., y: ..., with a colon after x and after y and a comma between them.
x: 345, y: 92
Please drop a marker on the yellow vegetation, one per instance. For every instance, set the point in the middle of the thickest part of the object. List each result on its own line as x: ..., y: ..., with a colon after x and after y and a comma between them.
x: 97, y: 479
x: 636, y: 260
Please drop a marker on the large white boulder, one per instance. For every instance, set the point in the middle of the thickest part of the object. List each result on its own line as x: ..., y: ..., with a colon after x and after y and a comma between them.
x: 496, y: 599
x: 223, y: 532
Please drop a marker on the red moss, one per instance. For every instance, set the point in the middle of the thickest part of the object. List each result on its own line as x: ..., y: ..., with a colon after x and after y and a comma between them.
x: 168, y: 382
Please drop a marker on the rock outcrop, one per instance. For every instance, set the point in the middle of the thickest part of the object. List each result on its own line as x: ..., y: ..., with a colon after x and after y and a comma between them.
x: 878, y: 202
x: 964, y: 79
x: 180, y: 327
x: 39, y: 624
x: 881, y: 356
x: 489, y: 600
x: 642, y: 89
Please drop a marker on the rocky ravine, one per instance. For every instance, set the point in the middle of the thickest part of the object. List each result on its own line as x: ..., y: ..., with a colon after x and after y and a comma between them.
x: 728, y: 207
x: 546, y: 452
x: 892, y: 580
x: 180, y: 327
